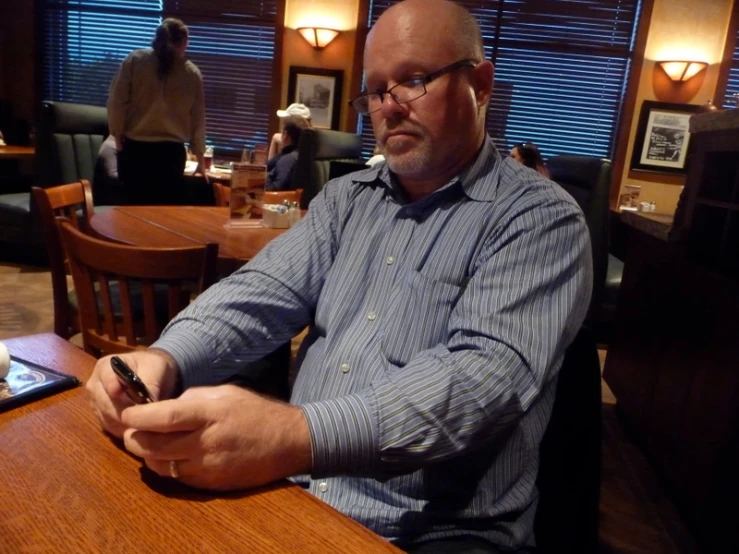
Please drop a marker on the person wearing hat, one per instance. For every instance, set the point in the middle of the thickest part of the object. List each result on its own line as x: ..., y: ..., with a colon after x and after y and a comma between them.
x: 294, y: 110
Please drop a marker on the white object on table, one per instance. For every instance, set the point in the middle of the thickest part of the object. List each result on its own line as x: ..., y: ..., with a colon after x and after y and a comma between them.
x: 4, y: 361
x: 190, y: 167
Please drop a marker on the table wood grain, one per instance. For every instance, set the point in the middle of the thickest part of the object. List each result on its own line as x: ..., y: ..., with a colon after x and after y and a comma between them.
x: 174, y: 226
x: 70, y: 488
x: 10, y: 151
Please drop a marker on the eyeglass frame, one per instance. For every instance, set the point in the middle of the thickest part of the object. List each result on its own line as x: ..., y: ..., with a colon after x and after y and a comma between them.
x: 423, y: 81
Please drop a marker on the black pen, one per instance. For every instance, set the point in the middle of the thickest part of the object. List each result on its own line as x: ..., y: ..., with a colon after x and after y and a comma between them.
x: 134, y: 387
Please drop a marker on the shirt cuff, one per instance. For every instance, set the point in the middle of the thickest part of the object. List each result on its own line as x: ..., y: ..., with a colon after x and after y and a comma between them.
x: 190, y: 354
x: 343, y: 436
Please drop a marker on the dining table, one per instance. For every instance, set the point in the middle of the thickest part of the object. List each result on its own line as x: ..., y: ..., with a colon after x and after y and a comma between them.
x: 12, y: 151
x: 70, y: 487
x: 182, y: 226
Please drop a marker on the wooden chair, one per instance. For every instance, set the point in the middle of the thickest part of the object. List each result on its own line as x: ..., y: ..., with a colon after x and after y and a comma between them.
x: 73, y: 201
x: 279, y: 196
x: 221, y: 194
x: 108, y: 328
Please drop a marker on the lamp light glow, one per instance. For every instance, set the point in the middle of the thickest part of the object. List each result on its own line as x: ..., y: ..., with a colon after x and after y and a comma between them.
x: 318, y: 37
x: 681, y: 71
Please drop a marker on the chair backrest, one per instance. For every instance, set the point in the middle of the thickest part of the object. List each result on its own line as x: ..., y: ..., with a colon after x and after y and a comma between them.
x: 570, y: 456
x: 317, y: 147
x: 68, y: 142
x: 279, y: 196
x: 221, y: 194
x: 143, y: 278
x: 73, y: 201
x: 588, y: 180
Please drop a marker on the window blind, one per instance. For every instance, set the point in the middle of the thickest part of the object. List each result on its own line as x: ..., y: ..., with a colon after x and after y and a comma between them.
x: 231, y: 42
x: 732, y: 86
x: 561, y: 68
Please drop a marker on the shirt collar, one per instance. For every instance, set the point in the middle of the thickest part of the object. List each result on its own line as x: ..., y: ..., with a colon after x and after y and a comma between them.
x: 479, y: 180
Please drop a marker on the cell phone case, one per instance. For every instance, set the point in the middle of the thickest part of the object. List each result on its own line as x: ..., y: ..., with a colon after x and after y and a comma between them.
x: 27, y: 381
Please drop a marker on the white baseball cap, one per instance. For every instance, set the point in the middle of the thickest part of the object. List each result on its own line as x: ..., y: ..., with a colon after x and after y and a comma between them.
x: 295, y: 109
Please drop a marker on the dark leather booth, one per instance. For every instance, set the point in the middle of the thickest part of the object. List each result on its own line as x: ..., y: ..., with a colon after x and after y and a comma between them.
x: 588, y: 180
x: 67, y: 143
x: 316, y: 149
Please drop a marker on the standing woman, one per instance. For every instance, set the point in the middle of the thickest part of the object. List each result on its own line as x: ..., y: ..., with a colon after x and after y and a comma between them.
x: 156, y: 104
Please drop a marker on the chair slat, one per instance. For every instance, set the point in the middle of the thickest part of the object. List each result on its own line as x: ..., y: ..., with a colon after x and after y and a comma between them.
x: 164, y: 274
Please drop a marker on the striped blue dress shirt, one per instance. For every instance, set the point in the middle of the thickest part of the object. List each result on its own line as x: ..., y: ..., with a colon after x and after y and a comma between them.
x: 438, y: 330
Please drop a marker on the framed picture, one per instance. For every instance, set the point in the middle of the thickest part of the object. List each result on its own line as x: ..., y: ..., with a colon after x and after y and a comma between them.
x: 320, y: 90
x: 662, y: 137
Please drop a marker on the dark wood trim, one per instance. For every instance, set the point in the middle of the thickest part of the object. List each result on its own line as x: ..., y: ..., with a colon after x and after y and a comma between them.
x: 355, y: 83
x: 727, y: 58
x: 629, y: 105
x: 274, y: 123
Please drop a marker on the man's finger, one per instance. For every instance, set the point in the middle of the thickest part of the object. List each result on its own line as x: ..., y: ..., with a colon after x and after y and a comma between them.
x: 167, y: 416
x: 159, y: 446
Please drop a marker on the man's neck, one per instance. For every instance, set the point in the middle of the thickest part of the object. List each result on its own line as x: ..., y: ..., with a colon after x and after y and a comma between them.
x: 416, y: 189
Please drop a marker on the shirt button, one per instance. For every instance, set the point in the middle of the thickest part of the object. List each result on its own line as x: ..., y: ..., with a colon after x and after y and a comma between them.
x: 323, y: 486
x: 389, y: 260
x: 372, y: 316
x: 345, y: 368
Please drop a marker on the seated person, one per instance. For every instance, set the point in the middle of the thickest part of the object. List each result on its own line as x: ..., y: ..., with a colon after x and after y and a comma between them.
x: 107, y: 188
x: 442, y: 288
x: 528, y: 154
x: 293, y: 111
x: 280, y: 169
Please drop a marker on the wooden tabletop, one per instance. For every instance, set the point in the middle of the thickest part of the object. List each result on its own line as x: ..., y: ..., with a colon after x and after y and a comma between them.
x: 176, y: 226
x: 9, y: 151
x: 67, y: 487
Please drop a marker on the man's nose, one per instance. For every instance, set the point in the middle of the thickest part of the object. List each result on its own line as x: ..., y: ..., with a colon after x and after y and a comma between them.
x: 391, y: 109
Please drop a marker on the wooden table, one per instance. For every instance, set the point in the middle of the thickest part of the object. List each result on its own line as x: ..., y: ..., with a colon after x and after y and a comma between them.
x: 67, y: 487
x: 176, y: 226
x: 9, y: 151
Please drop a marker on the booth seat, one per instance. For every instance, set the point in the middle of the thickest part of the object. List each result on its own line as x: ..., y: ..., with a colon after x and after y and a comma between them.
x: 67, y: 144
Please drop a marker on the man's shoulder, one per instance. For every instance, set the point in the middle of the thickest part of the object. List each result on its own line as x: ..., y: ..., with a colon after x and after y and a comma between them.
x: 524, y: 186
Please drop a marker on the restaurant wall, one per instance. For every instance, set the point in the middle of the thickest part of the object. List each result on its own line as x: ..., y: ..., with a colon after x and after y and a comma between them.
x: 17, y: 56
x: 339, y: 54
x: 679, y: 30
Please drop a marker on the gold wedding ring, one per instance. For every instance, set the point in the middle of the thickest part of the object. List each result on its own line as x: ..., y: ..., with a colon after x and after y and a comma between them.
x: 174, y: 471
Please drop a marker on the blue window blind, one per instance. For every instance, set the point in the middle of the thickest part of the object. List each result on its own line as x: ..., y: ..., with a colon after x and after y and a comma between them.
x: 231, y: 42
x: 732, y: 86
x: 561, y: 68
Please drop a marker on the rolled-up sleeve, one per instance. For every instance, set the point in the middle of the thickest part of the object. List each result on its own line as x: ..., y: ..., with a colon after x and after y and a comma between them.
x: 119, y: 97
x: 197, y: 143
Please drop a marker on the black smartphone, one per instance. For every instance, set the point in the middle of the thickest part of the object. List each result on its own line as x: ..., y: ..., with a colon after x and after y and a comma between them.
x: 134, y: 387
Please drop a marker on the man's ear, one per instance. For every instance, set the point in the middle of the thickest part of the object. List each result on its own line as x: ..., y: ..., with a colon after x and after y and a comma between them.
x: 483, y: 75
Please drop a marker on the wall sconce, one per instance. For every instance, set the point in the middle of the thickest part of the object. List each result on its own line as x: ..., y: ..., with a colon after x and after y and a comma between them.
x: 318, y: 37
x: 680, y: 72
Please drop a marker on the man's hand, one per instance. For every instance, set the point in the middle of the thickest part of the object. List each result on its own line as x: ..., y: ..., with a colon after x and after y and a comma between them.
x: 119, y: 142
x: 222, y: 437
x: 154, y: 367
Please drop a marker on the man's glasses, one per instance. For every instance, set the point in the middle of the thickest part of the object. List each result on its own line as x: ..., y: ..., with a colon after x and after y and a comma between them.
x: 407, y: 91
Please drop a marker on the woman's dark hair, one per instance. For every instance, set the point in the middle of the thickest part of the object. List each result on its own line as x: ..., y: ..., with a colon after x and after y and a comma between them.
x: 530, y: 157
x: 171, y: 33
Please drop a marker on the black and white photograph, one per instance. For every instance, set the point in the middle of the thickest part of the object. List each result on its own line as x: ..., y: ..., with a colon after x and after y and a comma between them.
x: 320, y: 90
x: 662, y: 137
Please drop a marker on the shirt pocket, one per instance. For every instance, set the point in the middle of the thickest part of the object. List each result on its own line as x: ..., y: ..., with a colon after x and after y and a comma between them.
x: 418, y: 316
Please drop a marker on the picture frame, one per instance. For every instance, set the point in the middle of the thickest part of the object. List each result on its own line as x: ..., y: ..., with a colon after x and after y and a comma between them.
x: 319, y: 89
x: 662, y: 137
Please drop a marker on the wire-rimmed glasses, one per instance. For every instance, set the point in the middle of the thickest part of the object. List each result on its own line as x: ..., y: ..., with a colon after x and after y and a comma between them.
x: 407, y: 91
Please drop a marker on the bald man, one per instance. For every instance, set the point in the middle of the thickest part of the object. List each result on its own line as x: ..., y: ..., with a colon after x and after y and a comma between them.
x: 441, y: 287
